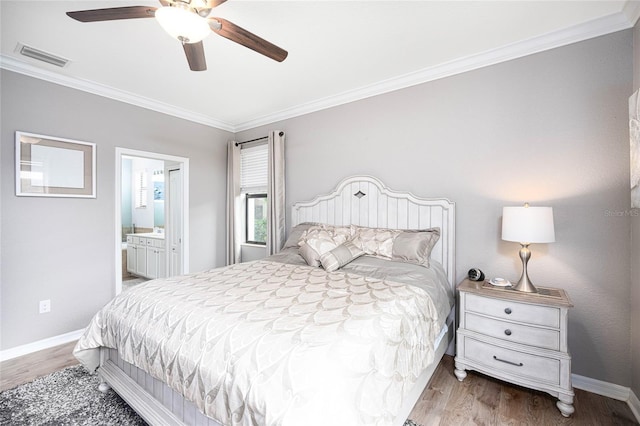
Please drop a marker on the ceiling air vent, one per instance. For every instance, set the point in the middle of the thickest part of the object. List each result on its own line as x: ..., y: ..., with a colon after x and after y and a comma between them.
x: 41, y: 55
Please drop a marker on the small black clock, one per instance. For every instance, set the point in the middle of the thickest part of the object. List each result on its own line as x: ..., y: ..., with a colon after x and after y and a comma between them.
x: 476, y: 274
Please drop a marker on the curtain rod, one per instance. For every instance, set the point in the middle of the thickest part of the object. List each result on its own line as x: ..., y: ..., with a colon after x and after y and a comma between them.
x: 258, y: 139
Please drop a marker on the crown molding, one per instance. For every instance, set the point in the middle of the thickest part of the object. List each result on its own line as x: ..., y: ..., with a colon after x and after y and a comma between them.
x: 625, y: 19
x: 577, y: 33
x: 12, y: 64
x: 631, y: 11
x: 634, y: 404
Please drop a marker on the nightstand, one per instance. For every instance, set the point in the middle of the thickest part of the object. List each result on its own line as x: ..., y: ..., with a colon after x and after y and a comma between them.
x: 517, y: 337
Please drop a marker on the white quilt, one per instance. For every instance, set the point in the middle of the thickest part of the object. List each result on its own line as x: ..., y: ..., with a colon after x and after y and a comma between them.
x: 268, y: 343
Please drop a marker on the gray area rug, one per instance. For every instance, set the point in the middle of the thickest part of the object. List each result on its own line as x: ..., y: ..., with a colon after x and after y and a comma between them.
x: 68, y: 397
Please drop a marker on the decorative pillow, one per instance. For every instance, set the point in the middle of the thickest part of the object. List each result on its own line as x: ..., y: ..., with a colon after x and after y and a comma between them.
x: 375, y: 241
x: 314, y: 248
x: 415, y: 246
x: 296, y: 233
x: 319, y: 239
x: 337, y: 234
x: 340, y: 256
x: 411, y: 246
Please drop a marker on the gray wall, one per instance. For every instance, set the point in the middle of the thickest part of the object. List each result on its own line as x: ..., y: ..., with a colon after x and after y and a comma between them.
x: 63, y: 249
x: 635, y: 250
x: 550, y: 129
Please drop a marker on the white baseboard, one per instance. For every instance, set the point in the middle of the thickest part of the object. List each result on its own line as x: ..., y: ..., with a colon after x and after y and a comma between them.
x: 599, y: 387
x: 609, y: 390
x: 40, y: 345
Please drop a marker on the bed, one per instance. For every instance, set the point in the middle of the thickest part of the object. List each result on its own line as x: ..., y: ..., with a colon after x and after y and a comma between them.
x: 281, y: 341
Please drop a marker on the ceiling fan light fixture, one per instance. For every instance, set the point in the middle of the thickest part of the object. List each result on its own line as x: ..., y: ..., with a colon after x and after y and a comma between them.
x: 183, y: 24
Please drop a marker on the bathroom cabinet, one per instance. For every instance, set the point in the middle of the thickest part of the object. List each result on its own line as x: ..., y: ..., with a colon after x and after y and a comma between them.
x: 156, y: 259
x: 146, y: 255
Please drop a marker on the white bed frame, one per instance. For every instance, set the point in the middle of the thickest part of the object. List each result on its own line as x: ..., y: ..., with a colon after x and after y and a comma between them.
x: 358, y: 200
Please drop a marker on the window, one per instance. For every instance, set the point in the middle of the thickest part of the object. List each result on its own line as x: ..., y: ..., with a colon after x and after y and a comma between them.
x: 140, y: 189
x: 256, y: 218
x: 253, y: 186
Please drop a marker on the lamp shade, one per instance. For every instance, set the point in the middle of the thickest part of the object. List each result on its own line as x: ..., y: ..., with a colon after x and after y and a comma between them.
x: 528, y: 224
x: 183, y: 24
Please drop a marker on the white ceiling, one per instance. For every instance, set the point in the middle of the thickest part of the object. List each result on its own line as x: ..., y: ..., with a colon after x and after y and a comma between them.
x: 339, y: 51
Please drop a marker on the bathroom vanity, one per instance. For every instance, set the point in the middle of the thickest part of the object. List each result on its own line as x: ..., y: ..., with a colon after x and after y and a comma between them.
x: 146, y: 255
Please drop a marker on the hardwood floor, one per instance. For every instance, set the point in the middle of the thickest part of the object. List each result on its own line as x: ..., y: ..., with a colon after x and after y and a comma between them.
x: 482, y: 400
x: 478, y: 400
x: 24, y: 369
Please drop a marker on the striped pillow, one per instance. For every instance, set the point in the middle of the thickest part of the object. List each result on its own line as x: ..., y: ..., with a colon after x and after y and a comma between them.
x: 340, y: 256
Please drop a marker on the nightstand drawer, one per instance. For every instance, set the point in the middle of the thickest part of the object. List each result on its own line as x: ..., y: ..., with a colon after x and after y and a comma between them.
x: 513, y: 332
x: 498, y: 359
x: 514, y: 311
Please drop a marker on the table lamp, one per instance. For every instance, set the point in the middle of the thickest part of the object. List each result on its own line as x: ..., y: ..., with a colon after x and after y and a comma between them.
x: 527, y: 225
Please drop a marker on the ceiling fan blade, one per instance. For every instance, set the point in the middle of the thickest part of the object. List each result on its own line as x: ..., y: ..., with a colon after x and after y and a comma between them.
x: 195, y: 56
x: 214, y: 3
x: 209, y: 4
x: 114, y: 13
x: 241, y: 36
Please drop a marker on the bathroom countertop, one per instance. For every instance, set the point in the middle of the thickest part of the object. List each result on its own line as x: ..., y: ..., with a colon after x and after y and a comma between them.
x: 150, y: 235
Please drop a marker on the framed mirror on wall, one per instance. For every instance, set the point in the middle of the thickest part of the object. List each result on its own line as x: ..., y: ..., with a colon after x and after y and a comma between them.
x: 49, y: 166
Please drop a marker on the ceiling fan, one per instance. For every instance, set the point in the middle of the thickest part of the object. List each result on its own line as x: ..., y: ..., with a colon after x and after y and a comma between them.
x: 188, y: 21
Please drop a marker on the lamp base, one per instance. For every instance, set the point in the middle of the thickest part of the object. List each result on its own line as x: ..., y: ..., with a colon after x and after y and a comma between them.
x: 524, y: 283
x: 525, y: 286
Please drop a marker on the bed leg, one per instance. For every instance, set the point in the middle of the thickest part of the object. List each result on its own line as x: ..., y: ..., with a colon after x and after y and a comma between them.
x: 104, y: 387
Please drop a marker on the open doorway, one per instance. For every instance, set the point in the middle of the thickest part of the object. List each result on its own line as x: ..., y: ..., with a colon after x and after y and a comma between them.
x: 152, y: 216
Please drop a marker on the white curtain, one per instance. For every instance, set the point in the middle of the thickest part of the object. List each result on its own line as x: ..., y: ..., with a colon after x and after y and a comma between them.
x: 234, y: 204
x: 275, y: 193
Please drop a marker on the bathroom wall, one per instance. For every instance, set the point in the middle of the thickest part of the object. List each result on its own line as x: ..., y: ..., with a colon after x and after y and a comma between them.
x: 143, y: 217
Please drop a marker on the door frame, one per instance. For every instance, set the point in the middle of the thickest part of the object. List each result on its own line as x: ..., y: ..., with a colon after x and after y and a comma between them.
x: 184, y: 163
x: 168, y: 168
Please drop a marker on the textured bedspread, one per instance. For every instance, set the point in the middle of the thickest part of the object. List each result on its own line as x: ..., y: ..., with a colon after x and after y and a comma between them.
x: 269, y: 343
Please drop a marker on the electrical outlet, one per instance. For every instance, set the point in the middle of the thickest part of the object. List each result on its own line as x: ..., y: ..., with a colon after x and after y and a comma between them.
x: 45, y: 306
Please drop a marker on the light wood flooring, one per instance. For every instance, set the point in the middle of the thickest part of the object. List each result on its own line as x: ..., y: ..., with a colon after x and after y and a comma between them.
x: 478, y: 400
x: 482, y: 400
x: 24, y: 369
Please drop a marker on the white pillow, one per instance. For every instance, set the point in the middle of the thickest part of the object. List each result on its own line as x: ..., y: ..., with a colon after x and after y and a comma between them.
x: 296, y: 234
x: 404, y: 245
x: 314, y: 248
x: 337, y: 234
x: 320, y: 239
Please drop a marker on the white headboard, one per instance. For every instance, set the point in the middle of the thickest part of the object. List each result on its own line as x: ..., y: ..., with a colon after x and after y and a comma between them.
x: 365, y: 201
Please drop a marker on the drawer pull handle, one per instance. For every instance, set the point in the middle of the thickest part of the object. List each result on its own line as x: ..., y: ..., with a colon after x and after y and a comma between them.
x: 517, y: 364
x: 507, y: 332
x: 507, y: 311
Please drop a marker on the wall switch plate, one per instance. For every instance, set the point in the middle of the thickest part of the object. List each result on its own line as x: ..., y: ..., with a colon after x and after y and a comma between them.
x: 45, y: 306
